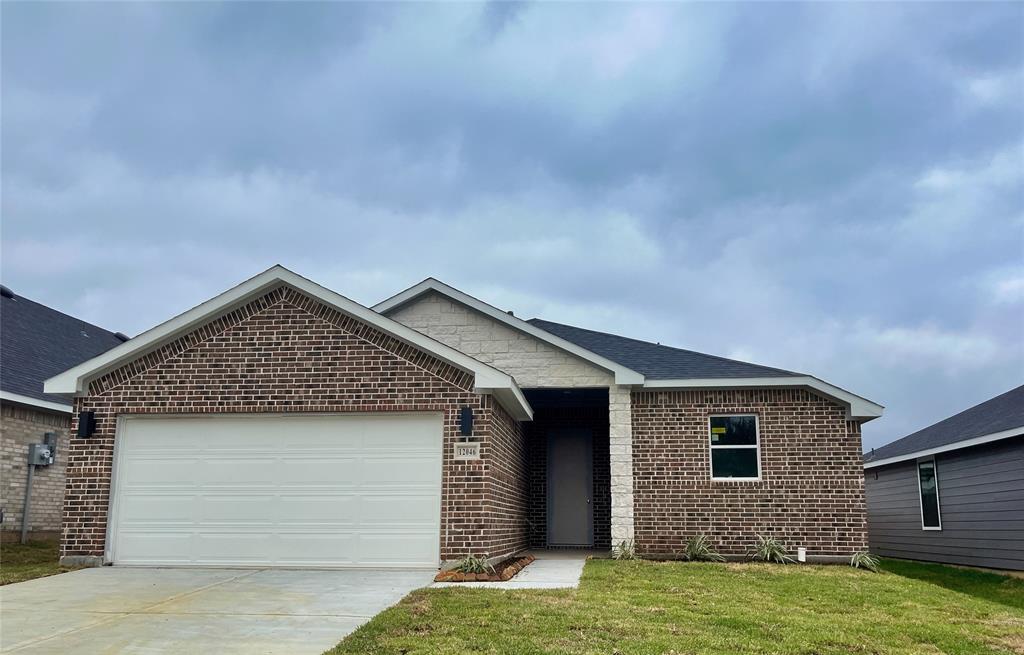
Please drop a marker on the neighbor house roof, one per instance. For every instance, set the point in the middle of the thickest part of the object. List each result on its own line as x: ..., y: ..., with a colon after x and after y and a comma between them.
x: 487, y: 379
x: 640, y: 363
x: 655, y: 361
x: 37, y: 342
x: 999, y: 418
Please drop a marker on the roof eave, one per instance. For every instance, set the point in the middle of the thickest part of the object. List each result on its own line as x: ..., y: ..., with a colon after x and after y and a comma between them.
x: 35, y: 402
x: 956, y: 445
x: 486, y: 378
x: 858, y: 408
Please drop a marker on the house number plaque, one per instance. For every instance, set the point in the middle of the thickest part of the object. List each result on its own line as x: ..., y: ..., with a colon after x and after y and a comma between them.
x: 466, y: 450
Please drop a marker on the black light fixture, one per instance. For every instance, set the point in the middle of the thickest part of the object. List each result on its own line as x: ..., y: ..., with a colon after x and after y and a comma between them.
x: 466, y: 422
x: 86, y: 424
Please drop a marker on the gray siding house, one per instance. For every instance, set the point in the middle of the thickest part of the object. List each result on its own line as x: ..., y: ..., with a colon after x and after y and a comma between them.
x: 954, y: 491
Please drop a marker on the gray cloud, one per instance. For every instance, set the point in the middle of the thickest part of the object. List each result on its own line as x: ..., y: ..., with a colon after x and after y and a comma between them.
x: 837, y: 189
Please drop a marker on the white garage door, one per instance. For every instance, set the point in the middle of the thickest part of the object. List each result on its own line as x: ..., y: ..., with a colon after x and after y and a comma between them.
x: 323, y: 491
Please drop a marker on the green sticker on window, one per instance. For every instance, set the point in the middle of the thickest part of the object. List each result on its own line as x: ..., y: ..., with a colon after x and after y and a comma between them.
x: 720, y: 430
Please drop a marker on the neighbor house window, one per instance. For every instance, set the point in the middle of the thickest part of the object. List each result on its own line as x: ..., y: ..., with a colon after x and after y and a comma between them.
x: 734, y: 448
x: 928, y: 484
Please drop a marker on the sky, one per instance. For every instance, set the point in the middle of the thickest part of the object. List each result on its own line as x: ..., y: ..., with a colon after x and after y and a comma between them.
x: 835, y: 189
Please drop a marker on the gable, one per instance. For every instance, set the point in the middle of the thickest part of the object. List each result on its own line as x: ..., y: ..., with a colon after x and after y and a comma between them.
x: 285, y: 348
x: 531, y: 361
x: 202, y: 321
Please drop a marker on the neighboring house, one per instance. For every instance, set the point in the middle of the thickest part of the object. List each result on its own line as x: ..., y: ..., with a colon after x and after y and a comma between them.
x: 954, y: 491
x: 282, y: 424
x: 37, y: 342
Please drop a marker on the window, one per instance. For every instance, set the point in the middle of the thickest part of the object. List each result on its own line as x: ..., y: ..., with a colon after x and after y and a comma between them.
x: 734, y: 448
x: 928, y: 485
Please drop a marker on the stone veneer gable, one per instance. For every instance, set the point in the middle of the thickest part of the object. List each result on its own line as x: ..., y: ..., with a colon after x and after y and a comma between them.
x: 532, y: 362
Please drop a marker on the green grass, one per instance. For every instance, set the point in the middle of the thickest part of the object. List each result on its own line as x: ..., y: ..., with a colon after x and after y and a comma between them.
x: 638, y: 608
x: 36, y: 559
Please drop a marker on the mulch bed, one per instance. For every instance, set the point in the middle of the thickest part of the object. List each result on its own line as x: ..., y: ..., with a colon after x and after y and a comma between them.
x: 502, y: 572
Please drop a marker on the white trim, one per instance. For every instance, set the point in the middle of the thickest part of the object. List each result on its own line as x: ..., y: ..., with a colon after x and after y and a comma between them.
x: 920, y: 496
x: 35, y: 402
x: 857, y: 407
x: 623, y: 375
x: 957, y: 445
x: 112, y: 504
x: 487, y: 379
x: 756, y: 447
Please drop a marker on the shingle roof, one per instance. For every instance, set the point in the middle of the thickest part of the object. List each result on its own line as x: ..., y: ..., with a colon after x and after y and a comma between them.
x: 656, y: 361
x: 1004, y: 412
x: 37, y: 342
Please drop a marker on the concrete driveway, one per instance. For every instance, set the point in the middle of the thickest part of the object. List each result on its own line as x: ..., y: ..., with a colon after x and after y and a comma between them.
x: 133, y: 610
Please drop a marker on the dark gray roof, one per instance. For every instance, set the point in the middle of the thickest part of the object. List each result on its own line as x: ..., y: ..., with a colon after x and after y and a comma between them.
x: 656, y: 361
x: 37, y: 342
x: 1004, y: 412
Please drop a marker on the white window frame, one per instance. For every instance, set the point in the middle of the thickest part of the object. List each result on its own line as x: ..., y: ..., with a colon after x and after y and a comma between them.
x: 920, y: 496
x: 756, y: 447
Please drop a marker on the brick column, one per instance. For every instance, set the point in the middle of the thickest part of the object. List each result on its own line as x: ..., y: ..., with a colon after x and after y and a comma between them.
x: 620, y: 446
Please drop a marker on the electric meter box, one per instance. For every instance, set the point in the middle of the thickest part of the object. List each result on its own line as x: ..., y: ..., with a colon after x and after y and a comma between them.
x: 39, y: 454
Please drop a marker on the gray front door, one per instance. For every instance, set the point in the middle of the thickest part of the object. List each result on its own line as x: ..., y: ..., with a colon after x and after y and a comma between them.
x: 570, y: 484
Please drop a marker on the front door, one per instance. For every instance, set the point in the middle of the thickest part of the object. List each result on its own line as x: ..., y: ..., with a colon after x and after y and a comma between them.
x: 570, y: 485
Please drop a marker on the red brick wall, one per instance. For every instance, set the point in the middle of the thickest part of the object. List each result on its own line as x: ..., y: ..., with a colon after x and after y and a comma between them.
x: 812, y: 488
x: 285, y: 352
x: 509, y: 491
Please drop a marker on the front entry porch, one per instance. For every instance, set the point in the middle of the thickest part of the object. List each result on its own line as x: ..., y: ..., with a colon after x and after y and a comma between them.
x: 569, y: 469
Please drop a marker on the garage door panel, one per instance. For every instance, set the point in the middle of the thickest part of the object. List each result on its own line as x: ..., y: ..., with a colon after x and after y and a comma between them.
x: 401, y: 470
x: 234, y: 547
x: 397, y: 510
x: 380, y: 548
x: 226, y: 470
x: 337, y: 510
x: 168, y: 546
x: 151, y: 471
x: 318, y: 549
x: 278, y: 491
x: 142, y: 507
x: 312, y: 469
x: 229, y: 508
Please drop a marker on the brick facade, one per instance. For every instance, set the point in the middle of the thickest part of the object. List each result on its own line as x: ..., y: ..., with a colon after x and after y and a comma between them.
x: 812, y: 489
x: 19, y: 427
x: 285, y: 352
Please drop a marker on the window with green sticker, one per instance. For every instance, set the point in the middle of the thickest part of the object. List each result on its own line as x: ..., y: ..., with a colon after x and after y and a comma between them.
x: 734, y: 447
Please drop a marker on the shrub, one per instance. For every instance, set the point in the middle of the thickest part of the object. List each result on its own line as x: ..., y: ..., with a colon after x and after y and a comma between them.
x: 699, y: 549
x: 471, y: 564
x: 624, y: 550
x: 864, y: 560
x: 770, y: 549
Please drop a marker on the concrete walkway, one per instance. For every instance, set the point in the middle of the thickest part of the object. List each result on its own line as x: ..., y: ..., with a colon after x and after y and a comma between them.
x: 195, y: 611
x: 553, y: 569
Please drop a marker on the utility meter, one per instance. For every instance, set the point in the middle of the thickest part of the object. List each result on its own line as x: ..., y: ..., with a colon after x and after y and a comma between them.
x: 39, y: 454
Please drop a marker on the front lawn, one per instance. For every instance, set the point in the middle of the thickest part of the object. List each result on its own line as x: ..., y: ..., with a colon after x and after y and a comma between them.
x: 36, y: 559
x: 635, y: 608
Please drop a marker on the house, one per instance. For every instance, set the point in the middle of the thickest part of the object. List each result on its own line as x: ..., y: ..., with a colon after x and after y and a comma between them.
x: 37, y: 342
x: 954, y: 491
x: 282, y: 424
